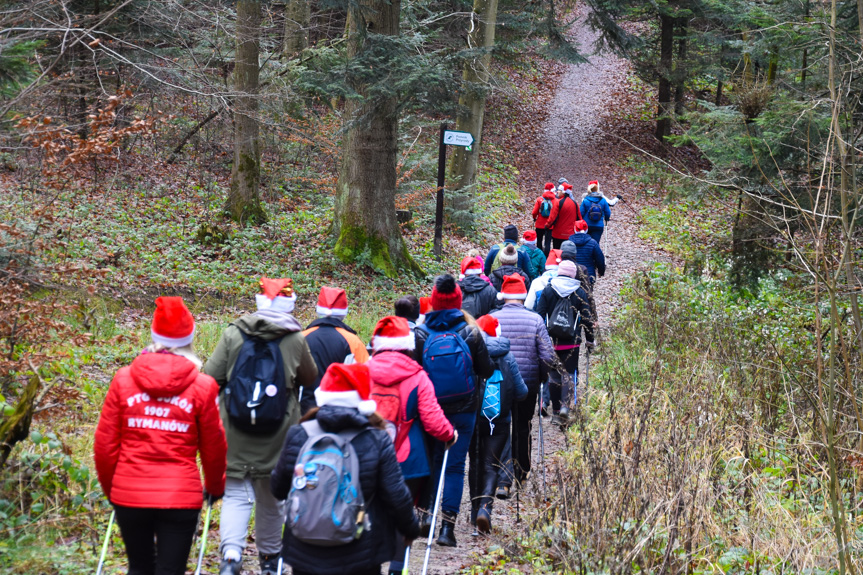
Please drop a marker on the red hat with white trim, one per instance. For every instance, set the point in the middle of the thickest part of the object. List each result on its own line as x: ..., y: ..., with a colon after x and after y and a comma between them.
x: 513, y: 288
x: 567, y: 186
x: 332, y: 302
x: 471, y: 266
x: 580, y: 226
x: 553, y: 259
x: 392, y: 334
x: 347, y: 386
x: 276, y: 295
x: 173, y: 324
x: 489, y: 324
x: 529, y: 237
x: 549, y: 186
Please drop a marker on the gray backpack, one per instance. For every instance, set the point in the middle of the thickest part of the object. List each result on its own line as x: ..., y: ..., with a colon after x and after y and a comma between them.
x: 326, y: 505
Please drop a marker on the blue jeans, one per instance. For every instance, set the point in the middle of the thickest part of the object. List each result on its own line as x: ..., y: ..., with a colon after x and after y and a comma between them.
x: 453, y: 485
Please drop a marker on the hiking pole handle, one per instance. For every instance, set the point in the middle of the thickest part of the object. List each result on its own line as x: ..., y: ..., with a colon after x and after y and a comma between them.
x: 204, y: 536
x: 435, y: 510
x: 105, y: 543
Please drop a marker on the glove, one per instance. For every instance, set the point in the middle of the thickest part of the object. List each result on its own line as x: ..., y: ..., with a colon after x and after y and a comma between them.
x: 619, y: 197
x: 210, y: 498
x: 452, y: 441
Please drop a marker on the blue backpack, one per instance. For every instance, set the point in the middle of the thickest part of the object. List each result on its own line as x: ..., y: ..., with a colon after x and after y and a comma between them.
x: 594, y: 212
x: 447, y: 360
x: 491, y: 399
x: 255, y: 396
x: 545, y: 208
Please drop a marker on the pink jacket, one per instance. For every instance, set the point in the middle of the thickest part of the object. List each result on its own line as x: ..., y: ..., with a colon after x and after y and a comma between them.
x: 418, y: 400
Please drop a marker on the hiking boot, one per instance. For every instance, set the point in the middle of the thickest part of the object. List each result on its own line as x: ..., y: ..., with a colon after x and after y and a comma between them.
x: 270, y: 564
x: 230, y: 567
x: 543, y: 411
x: 447, y: 531
x: 502, y: 492
x: 425, y: 522
x: 564, y: 414
x: 483, y: 520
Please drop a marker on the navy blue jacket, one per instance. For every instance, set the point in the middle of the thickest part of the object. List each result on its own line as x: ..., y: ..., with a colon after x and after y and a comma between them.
x: 589, y: 254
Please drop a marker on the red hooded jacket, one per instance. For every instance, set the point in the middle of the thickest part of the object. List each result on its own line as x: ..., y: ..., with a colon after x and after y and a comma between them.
x: 567, y: 213
x: 542, y: 222
x: 158, y: 414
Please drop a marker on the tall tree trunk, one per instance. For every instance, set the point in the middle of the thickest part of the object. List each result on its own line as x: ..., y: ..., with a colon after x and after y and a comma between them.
x: 298, y: 15
x: 365, y: 211
x: 244, y: 203
x: 680, y: 66
x: 748, y: 73
x: 463, y: 165
x: 666, y: 53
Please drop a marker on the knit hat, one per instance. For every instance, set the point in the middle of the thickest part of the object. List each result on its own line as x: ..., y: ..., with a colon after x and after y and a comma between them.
x: 508, y: 255
x: 392, y: 334
x: 346, y: 386
x: 593, y: 186
x: 529, y: 238
x: 513, y: 288
x: 446, y: 294
x: 568, y: 251
x: 173, y: 324
x: 332, y: 302
x: 567, y: 268
x: 553, y: 259
x: 510, y: 233
x: 489, y: 324
x: 549, y: 186
x: 563, y: 181
x: 470, y: 266
x: 277, y: 295
x: 580, y: 227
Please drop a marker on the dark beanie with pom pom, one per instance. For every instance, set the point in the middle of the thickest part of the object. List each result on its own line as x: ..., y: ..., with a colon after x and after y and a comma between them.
x: 446, y: 294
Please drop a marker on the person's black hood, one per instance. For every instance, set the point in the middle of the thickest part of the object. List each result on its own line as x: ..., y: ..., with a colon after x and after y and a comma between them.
x: 472, y: 284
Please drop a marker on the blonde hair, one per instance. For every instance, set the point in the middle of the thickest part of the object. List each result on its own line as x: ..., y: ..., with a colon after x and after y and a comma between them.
x: 184, y: 351
x: 472, y: 253
x: 592, y: 187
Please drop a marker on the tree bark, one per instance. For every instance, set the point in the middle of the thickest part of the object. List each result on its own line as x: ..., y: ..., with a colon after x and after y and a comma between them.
x: 464, y: 162
x: 244, y: 203
x: 666, y: 53
x: 365, y: 214
x: 298, y: 15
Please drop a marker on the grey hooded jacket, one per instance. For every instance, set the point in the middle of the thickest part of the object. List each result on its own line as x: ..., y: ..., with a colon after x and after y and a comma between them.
x: 528, y: 340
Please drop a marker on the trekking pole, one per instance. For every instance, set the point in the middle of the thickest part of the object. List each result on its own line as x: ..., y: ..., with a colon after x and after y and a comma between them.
x: 204, y: 536
x: 405, y: 568
x: 541, y: 441
x: 435, y: 510
x: 105, y: 544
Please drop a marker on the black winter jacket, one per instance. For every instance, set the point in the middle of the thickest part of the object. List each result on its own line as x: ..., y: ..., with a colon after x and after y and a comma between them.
x: 478, y: 296
x: 483, y: 367
x: 388, y: 501
x: 498, y: 274
x: 565, y: 287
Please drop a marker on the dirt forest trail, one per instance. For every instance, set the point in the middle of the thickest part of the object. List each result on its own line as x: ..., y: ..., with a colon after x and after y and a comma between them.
x: 574, y: 147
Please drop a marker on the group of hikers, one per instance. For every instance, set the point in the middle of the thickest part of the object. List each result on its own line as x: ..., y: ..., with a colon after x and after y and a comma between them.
x: 340, y: 450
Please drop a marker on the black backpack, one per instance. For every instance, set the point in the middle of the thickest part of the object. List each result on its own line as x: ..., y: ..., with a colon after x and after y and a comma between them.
x: 256, y: 397
x: 562, y: 321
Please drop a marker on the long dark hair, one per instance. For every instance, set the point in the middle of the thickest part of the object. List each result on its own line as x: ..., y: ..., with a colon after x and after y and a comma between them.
x: 375, y: 420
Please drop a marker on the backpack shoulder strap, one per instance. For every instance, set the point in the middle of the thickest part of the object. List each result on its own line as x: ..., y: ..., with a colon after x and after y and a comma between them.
x: 313, y: 428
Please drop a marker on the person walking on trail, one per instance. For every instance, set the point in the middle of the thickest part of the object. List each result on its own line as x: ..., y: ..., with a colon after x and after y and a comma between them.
x: 330, y: 339
x: 567, y: 214
x: 508, y: 257
x: 537, y: 285
x: 345, y: 410
x: 589, y: 253
x: 563, y: 304
x: 532, y: 348
x: 596, y: 211
x: 158, y: 415
x: 408, y: 307
x: 478, y: 296
x: 536, y: 255
x: 456, y: 378
x: 474, y: 253
x: 503, y: 391
x: 544, y: 213
x: 406, y: 401
x: 569, y: 251
x: 268, y: 342
x: 492, y: 259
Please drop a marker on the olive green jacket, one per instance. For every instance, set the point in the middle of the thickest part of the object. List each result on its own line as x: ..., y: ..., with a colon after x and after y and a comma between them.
x: 256, y: 455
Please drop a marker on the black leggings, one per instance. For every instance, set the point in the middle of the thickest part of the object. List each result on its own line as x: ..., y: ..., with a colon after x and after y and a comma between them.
x: 173, y: 530
x: 543, y: 240
x: 486, y: 461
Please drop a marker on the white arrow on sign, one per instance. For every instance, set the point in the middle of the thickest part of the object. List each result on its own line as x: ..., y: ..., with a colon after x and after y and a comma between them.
x: 456, y: 138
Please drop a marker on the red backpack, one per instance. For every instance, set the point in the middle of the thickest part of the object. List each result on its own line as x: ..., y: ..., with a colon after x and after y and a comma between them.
x: 389, y: 407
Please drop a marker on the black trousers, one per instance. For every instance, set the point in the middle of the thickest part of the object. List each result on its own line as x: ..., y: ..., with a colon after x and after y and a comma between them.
x: 556, y: 243
x: 486, y: 461
x: 543, y: 240
x: 522, y: 417
x: 172, y: 529
x: 569, y: 359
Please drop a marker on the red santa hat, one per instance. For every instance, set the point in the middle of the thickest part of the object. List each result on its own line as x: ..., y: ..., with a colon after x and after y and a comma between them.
x: 593, y: 186
x: 332, y: 302
x: 580, y: 226
x: 513, y: 288
x: 529, y: 237
x: 392, y: 334
x: 346, y: 386
x: 470, y: 266
x: 173, y: 324
x: 549, y: 186
x: 276, y: 295
x: 489, y: 324
x: 567, y: 186
x: 553, y: 259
